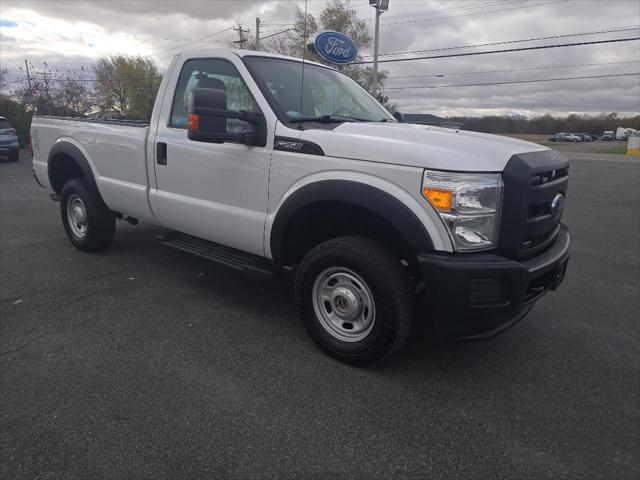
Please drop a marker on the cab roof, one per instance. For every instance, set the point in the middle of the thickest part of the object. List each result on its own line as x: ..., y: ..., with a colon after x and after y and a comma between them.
x: 246, y: 53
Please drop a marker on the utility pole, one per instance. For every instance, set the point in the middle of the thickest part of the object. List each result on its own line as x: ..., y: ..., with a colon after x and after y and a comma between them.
x: 380, y: 6
x: 26, y: 65
x: 257, y: 33
x: 241, y: 33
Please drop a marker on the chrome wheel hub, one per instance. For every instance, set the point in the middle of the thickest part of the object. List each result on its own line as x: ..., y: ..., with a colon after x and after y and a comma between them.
x: 343, y: 304
x: 77, y: 216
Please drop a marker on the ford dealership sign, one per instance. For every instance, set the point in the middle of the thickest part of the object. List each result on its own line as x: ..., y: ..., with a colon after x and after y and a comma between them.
x: 335, y: 47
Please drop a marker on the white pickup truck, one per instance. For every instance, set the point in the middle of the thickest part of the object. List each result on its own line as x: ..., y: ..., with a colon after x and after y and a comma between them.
x: 266, y: 163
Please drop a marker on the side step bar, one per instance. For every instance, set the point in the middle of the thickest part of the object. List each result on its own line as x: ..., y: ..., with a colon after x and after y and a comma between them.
x: 247, y: 263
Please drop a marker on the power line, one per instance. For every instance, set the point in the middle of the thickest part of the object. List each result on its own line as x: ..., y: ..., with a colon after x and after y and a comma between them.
x: 507, y: 42
x: 476, y: 13
x: 193, y: 41
x: 521, y: 49
x: 514, y: 82
x: 451, y: 74
x: 277, y: 33
x: 280, y: 22
x: 55, y: 78
x: 472, y: 6
x: 107, y: 80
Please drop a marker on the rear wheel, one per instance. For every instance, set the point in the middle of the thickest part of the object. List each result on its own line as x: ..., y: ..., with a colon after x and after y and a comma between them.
x: 89, y: 224
x: 355, y: 299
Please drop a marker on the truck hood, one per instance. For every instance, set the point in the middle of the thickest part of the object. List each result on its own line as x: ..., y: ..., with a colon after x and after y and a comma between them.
x: 419, y: 146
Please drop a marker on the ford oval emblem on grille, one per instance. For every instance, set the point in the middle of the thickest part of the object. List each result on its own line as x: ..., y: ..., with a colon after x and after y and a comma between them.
x: 557, y: 205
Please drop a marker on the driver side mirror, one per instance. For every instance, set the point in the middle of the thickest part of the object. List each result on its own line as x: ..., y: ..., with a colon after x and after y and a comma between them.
x: 207, y: 121
x: 399, y: 117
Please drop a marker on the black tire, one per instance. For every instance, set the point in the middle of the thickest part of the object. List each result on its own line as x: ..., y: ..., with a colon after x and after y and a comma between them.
x: 100, y: 221
x: 14, y: 156
x: 388, y: 284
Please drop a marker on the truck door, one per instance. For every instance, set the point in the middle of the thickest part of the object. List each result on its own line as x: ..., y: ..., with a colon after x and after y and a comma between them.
x: 213, y: 191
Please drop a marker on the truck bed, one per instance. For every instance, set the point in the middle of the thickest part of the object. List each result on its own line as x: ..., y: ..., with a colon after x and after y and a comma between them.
x: 116, y: 151
x: 123, y: 122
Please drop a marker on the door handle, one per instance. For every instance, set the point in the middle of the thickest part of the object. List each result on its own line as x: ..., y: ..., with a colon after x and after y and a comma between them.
x: 161, y: 153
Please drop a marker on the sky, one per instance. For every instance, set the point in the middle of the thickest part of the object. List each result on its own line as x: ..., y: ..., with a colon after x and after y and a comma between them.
x: 74, y: 34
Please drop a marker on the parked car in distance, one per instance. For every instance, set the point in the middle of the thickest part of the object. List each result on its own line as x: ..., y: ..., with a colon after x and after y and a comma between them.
x: 608, y: 136
x: 565, y: 137
x: 9, y: 144
x: 587, y: 137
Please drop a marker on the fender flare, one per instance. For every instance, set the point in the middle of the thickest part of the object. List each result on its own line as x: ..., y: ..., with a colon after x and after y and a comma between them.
x: 76, y: 154
x: 362, y: 195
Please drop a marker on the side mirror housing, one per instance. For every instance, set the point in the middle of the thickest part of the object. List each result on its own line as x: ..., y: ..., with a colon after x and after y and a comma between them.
x: 399, y: 117
x: 207, y: 121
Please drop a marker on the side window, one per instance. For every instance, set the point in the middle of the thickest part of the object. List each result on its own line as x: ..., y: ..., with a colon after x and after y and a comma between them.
x: 211, y: 73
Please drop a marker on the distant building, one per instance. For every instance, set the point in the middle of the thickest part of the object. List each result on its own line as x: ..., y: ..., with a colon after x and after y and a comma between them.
x: 428, y: 119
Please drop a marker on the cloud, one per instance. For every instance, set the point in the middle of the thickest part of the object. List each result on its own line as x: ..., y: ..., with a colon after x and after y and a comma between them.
x: 72, y: 33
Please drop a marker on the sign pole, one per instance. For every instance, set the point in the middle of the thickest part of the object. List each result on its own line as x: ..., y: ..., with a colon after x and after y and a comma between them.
x: 375, y: 50
x: 380, y: 6
x: 257, y: 33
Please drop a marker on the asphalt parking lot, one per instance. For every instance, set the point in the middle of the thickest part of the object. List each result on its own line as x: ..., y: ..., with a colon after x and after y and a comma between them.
x: 144, y: 362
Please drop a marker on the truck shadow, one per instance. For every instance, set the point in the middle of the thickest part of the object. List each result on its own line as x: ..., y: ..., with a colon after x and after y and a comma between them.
x: 271, y: 301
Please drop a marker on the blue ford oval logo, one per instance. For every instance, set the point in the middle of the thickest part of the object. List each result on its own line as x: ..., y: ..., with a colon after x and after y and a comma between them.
x: 334, y: 47
x: 557, y: 205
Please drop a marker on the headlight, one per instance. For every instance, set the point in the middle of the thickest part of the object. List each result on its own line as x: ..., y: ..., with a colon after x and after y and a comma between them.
x: 469, y: 205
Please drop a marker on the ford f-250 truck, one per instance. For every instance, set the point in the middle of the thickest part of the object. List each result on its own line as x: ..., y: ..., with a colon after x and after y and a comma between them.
x: 265, y: 163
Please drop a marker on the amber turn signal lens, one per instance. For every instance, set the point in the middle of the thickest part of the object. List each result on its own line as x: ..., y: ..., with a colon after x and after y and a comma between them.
x: 193, y: 122
x: 440, y: 199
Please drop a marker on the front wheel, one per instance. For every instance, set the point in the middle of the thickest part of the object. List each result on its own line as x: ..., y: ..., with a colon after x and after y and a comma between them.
x: 89, y: 224
x: 354, y: 298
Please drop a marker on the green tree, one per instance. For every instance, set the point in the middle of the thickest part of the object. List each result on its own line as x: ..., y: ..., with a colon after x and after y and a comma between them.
x: 127, y: 84
x: 19, y: 116
x: 339, y: 16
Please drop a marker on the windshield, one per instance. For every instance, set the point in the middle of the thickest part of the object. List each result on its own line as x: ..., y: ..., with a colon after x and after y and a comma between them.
x: 327, y: 93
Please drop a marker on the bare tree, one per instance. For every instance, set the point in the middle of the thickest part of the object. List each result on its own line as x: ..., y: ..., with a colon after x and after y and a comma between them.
x: 3, y: 79
x: 73, y: 96
x: 38, y: 94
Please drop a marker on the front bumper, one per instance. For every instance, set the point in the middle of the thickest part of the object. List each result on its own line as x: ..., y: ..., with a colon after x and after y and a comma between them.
x: 9, y: 147
x: 480, y: 295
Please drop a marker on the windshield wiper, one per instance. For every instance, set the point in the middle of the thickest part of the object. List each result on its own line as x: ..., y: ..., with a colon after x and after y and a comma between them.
x: 326, y: 119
